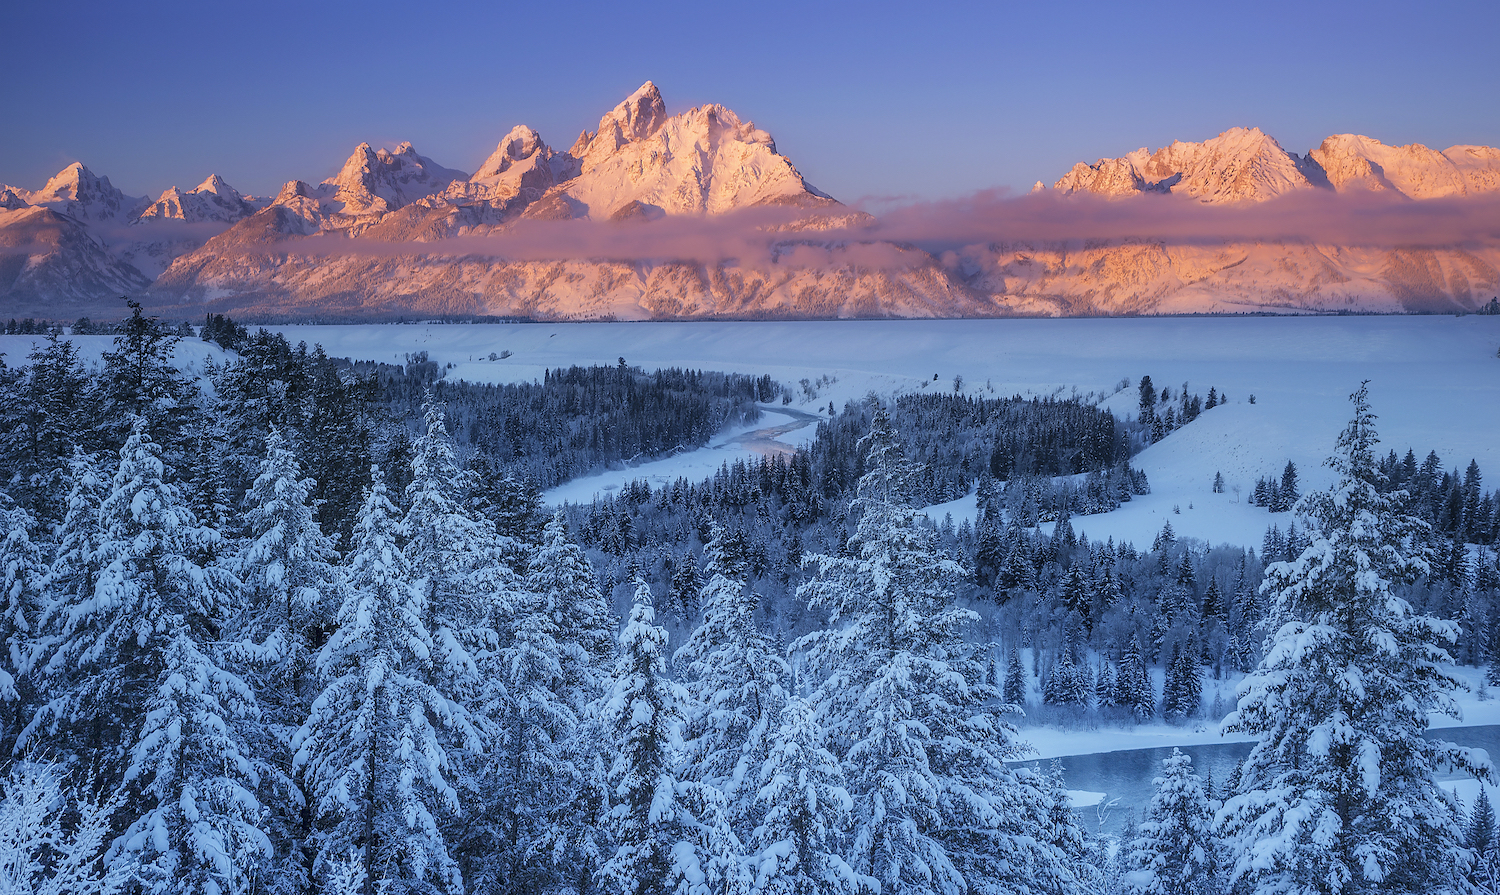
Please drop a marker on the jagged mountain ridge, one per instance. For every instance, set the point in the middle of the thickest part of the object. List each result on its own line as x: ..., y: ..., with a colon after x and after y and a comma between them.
x: 1246, y: 165
x: 340, y: 247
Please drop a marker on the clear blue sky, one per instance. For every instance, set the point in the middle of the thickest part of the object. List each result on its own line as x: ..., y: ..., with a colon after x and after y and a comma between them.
x: 925, y: 100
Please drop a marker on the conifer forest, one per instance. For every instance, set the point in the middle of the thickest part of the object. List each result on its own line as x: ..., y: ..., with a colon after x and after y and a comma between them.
x: 303, y: 625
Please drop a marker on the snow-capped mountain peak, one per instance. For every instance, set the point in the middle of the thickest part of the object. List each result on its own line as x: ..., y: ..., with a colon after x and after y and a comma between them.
x: 522, y: 164
x: 215, y: 184
x: 520, y: 144
x: 1240, y: 164
x: 1245, y: 164
x: 78, y: 192
x: 1355, y: 162
x: 637, y: 118
x: 373, y: 182
x: 703, y: 161
x: 213, y: 200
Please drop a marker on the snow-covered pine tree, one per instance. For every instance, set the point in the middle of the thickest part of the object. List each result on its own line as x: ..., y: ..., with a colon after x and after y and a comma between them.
x: 529, y: 778
x: 76, y: 559
x: 48, y: 418
x: 22, y: 579
x: 560, y: 572
x: 543, y: 776
x: 68, y: 582
x: 1015, y: 680
x: 1182, y: 695
x: 473, y: 605
x: 1175, y: 851
x: 804, y: 810
x: 1104, y: 685
x: 203, y: 833
x: 372, y: 749
x: 133, y: 682
x: 1133, y: 688
x: 559, y: 575
x: 661, y: 843
x: 456, y: 559
x: 1060, y: 831
x: 736, y: 681
x: 1479, y: 831
x: 1065, y: 683
x: 1338, y: 795
x: 287, y: 567
x: 935, y: 808
x: 685, y: 587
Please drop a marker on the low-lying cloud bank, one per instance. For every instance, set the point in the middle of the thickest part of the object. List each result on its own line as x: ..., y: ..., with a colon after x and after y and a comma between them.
x: 786, y: 237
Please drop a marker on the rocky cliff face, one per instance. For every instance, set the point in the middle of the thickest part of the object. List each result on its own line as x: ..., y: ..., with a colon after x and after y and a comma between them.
x: 396, y: 233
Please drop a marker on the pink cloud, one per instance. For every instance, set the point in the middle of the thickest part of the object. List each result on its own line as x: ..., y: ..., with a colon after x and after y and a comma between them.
x: 769, y: 237
x: 1319, y: 216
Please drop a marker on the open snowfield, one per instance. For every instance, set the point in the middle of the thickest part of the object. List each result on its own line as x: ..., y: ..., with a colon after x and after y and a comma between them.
x: 1435, y: 382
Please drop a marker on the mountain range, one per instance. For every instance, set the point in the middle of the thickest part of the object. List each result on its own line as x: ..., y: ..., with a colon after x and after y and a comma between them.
x: 632, y: 222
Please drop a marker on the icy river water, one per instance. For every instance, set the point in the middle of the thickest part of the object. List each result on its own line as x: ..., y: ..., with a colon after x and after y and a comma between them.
x: 1127, y: 775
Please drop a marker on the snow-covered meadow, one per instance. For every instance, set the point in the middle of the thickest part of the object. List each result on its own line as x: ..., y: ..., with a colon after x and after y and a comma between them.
x: 1434, y: 381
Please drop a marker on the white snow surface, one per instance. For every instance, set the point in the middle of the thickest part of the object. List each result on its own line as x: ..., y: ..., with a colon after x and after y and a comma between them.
x: 1435, y: 384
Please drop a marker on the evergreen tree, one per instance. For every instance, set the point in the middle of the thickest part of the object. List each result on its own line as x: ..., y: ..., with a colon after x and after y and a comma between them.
x: 1289, y: 493
x: 202, y: 834
x: 1147, y: 404
x: 560, y: 573
x: 1065, y: 685
x: 583, y: 629
x: 935, y: 808
x: 1133, y: 689
x: 1338, y: 795
x: 1479, y: 832
x: 22, y: 588
x: 141, y: 381
x: 48, y: 423
x: 656, y: 819
x: 131, y: 680
x: 372, y: 750
x: 736, y: 681
x: 286, y: 565
x: 336, y: 449
x: 455, y: 558
x: 1014, y: 692
x: 529, y: 778
x: 685, y: 587
x: 1175, y: 851
x: 805, y: 809
x: 1184, y: 690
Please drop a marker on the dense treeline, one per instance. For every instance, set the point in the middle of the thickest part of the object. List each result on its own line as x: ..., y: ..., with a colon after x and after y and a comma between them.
x: 583, y: 418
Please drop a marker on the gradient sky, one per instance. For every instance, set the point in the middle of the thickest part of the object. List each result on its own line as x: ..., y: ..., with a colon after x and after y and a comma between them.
x: 868, y: 99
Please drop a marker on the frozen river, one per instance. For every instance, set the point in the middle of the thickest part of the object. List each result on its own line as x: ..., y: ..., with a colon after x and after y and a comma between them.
x: 1127, y: 775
